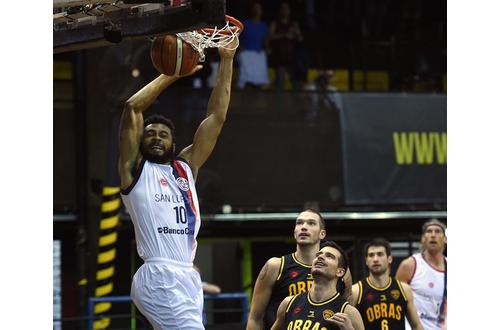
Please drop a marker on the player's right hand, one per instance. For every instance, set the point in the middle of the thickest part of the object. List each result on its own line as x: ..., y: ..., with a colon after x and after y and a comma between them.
x: 230, y: 50
x: 342, y: 320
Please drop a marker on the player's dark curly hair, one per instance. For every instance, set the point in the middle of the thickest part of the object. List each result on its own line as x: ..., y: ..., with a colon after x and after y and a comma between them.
x: 160, y: 119
x: 343, y: 263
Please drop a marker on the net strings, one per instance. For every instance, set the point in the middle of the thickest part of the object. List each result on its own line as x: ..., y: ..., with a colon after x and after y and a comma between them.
x: 218, y: 38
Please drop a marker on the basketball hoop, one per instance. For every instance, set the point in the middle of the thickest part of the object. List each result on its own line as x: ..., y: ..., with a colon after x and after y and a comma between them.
x: 213, y: 37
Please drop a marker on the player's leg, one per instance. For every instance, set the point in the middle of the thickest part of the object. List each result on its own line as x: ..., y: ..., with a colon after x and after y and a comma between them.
x: 169, y: 297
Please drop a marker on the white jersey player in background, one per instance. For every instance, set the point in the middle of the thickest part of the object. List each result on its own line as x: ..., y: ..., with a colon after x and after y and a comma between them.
x: 158, y: 190
x: 427, y: 275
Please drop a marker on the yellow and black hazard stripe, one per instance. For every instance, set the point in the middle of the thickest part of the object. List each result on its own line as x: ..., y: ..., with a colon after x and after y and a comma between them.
x: 106, y: 253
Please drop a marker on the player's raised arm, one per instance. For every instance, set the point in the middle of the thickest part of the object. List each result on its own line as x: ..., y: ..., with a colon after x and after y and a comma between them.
x: 131, y: 123
x: 207, y: 133
x: 262, y: 293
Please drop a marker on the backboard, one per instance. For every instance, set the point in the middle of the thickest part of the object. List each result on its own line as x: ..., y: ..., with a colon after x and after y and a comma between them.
x: 81, y: 24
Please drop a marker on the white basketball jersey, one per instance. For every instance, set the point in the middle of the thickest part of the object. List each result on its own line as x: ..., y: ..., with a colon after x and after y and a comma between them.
x: 163, y: 205
x: 428, y: 287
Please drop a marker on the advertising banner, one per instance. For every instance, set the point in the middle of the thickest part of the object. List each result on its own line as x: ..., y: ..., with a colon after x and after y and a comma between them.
x: 394, y: 148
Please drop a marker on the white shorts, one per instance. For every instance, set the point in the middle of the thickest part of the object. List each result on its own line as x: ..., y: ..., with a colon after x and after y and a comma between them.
x: 169, y: 294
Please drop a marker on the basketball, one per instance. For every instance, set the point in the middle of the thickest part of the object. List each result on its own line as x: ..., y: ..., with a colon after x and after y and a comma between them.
x: 171, y: 55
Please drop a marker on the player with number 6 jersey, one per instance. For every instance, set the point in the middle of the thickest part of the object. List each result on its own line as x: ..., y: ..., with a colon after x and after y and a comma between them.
x: 383, y: 301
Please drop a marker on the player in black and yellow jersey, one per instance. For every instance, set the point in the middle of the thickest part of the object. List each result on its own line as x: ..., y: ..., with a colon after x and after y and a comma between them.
x: 293, y: 278
x: 382, y: 300
x: 322, y: 308
x: 290, y: 274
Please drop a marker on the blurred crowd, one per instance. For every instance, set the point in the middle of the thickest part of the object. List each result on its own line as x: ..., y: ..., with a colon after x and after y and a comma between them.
x: 283, y: 40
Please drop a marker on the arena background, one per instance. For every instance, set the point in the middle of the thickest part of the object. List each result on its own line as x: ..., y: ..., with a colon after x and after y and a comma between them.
x: 346, y: 152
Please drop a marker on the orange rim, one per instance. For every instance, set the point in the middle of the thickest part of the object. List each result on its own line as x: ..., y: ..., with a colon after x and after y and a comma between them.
x: 236, y: 25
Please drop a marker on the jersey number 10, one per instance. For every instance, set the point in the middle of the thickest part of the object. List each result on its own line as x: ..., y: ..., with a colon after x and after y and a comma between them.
x: 180, y: 214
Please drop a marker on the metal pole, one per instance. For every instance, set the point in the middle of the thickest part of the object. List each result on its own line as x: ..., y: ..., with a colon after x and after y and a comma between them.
x: 90, y: 314
x: 246, y: 246
x: 81, y: 176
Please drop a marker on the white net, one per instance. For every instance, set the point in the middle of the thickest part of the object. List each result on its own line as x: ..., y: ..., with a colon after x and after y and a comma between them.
x: 213, y: 38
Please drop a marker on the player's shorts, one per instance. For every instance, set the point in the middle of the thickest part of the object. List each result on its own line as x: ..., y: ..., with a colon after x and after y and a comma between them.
x: 169, y: 294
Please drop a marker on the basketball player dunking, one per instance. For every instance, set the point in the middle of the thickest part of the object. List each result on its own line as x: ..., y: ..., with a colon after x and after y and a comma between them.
x: 290, y: 274
x: 158, y: 189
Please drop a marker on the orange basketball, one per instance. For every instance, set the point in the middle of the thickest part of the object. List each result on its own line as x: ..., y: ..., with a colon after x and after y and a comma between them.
x: 171, y: 55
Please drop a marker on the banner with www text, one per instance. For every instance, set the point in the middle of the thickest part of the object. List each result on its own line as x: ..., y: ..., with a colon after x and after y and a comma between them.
x: 394, y: 148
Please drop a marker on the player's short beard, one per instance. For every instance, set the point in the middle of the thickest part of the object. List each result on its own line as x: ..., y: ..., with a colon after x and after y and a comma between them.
x: 378, y: 272
x: 158, y: 159
x: 305, y: 243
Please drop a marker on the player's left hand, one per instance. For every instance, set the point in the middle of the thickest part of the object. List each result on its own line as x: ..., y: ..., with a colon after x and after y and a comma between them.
x: 230, y: 50
x: 342, y: 320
